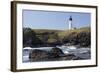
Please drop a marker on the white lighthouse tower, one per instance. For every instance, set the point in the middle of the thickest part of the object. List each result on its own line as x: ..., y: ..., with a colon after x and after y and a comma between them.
x: 70, y: 23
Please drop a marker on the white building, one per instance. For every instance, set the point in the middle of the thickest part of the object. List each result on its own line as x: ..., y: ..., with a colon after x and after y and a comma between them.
x: 70, y: 23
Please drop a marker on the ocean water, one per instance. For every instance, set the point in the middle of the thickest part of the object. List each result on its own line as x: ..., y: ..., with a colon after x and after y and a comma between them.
x: 84, y: 53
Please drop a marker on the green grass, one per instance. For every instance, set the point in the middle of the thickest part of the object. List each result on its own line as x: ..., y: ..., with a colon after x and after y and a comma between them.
x: 45, y: 30
x: 68, y: 32
x: 60, y: 33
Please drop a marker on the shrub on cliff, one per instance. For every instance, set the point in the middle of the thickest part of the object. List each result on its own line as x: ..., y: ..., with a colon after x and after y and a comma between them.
x: 79, y: 37
x: 29, y: 38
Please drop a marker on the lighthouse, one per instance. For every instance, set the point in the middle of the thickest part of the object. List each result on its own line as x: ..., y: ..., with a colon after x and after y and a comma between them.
x: 70, y: 23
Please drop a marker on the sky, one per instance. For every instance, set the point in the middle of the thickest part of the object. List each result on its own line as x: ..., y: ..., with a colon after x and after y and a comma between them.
x: 54, y: 20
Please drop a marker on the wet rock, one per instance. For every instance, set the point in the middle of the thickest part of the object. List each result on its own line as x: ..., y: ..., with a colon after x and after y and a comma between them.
x: 69, y: 57
x: 36, y: 55
x: 77, y: 58
x: 56, y: 52
x: 42, y: 55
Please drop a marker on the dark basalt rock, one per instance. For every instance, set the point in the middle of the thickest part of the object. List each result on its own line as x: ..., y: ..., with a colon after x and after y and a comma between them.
x: 41, y: 55
x: 78, y: 58
x: 56, y: 52
x: 70, y: 56
x: 38, y: 55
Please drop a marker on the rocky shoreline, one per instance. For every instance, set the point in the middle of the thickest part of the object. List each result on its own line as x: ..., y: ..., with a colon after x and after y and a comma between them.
x: 55, y: 54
